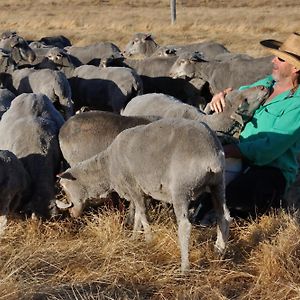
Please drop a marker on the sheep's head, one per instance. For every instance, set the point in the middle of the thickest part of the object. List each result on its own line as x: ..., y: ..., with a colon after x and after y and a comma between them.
x: 245, y: 102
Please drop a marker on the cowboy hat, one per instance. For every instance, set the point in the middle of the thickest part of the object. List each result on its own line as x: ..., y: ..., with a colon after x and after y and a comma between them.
x: 288, y: 50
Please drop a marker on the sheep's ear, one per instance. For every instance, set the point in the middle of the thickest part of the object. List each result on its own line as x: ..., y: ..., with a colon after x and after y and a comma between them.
x: 148, y: 36
x: 197, y: 56
x: 66, y: 175
x: 170, y: 51
x: 15, y: 41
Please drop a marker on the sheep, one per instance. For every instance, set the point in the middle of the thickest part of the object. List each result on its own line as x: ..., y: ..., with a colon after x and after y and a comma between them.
x: 59, y: 59
x: 239, y: 108
x: 86, y: 134
x: 29, y: 129
x: 98, y: 88
x: 220, y: 75
x: 53, y: 84
x: 93, y: 54
x: 56, y: 41
x: 155, y: 74
x: 6, y: 97
x: 171, y: 160
x: 104, y: 89
x: 143, y: 45
x: 18, y: 47
x: 14, y: 183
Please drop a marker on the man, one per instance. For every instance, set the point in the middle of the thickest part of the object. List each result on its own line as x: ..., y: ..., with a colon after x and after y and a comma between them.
x: 270, y: 143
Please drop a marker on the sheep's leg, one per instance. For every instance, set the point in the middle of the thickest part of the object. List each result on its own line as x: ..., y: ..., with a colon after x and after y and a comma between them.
x: 3, y: 218
x: 129, y: 221
x: 68, y: 110
x: 140, y: 218
x: 184, y: 231
x: 223, y: 216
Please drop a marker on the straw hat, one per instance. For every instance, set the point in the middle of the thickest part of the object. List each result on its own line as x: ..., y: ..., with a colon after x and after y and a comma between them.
x: 288, y: 50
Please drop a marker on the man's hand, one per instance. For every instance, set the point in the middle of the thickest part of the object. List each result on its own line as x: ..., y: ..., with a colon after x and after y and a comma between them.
x: 217, y: 103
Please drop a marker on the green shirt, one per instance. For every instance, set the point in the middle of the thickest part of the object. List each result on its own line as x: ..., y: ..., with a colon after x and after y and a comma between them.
x: 272, y: 137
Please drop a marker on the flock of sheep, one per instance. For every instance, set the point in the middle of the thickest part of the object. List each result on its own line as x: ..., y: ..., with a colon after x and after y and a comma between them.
x: 140, y: 129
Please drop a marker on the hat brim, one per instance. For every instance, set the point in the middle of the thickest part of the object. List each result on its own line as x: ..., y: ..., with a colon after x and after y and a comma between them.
x: 273, y: 46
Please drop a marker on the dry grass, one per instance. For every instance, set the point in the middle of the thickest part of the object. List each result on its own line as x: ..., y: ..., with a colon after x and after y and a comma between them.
x: 93, y: 257
x: 237, y: 24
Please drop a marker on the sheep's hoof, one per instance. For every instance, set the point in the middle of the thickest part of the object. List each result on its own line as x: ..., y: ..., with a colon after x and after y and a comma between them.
x: 219, y: 250
x: 185, y: 269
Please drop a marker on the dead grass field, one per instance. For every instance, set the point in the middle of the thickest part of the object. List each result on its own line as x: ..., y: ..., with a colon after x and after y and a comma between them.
x: 93, y: 257
x: 237, y: 24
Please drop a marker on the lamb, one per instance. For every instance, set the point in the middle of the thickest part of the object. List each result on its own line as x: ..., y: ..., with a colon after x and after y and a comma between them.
x: 138, y: 165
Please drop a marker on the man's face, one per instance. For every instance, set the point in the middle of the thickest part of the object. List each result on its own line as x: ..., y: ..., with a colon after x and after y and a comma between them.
x: 282, y: 70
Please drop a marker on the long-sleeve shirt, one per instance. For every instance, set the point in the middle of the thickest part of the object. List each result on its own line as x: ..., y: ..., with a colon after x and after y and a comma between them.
x: 272, y: 137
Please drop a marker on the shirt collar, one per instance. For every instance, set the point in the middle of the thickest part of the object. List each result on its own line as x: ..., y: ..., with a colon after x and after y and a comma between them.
x: 297, y: 92
x: 284, y: 95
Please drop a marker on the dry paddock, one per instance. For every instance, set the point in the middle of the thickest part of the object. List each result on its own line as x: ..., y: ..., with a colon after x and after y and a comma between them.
x: 93, y: 257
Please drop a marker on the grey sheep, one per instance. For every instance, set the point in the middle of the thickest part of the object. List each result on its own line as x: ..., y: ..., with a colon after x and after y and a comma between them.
x: 222, y: 74
x: 6, y: 97
x: 29, y: 129
x: 138, y: 164
x: 56, y: 41
x: 155, y: 74
x: 104, y: 89
x: 14, y: 183
x: 93, y: 54
x: 60, y: 60
x: 239, y: 108
x: 143, y: 45
x: 18, y: 47
x: 86, y: 134
x: 53, y: 84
